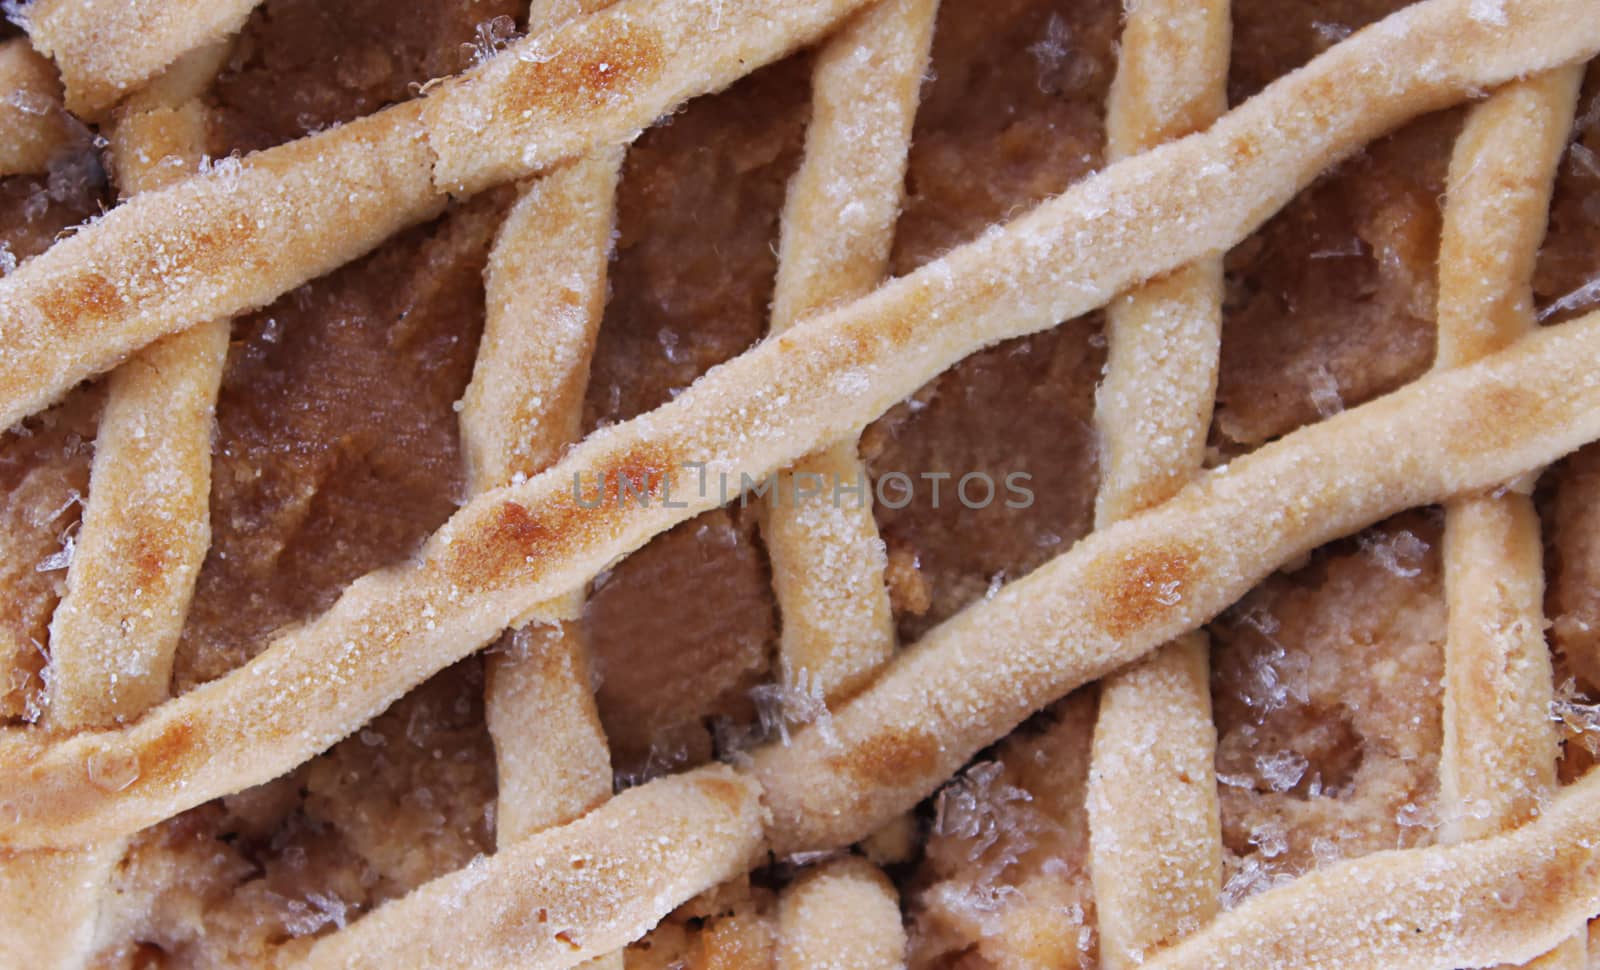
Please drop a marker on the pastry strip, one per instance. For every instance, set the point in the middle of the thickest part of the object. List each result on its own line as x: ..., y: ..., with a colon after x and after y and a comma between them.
x: 1501, y: 177
x: 1153, y: 410
x: 147, y: 524
x: 1125, y: 589
x: 1155, y: 849
x: 1499, y: 754
x: 568, y: 893
x: 194, y: 252
x: 546, y: 289
x: 838, y: 225
x: 822, y: 381
x: 550, y: 752
x: 33, y: 124
x: 1498, y: 900
x: 1113, y: 597
x: 145, y: 530
x: 842, y: 915
x: 107, y: 48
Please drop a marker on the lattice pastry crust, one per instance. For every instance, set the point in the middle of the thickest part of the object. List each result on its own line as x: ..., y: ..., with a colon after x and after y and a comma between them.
x: 145, y: 294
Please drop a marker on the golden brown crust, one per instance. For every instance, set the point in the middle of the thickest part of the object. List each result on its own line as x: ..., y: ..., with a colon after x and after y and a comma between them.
x: 108, y: 48
x: 517, y: 551
x: 525, y: 550
x: 1422, y: 58
x: 545, y: 292
x: 512, y: 549
x: 157, y: 265
x: 1156, y: 832
x: 34, y: 128
x: 1420, y: 444
x: 843, y: 202
x: 602, y: 79
x: 1171, y: 74
x: 550, y: 751
x: 145, y: 530
x: 1127, y: 588
x: 1499, y: 753
x: 1155, y: 849
x: 1501, y: 177
x: 146, y: 526
x: 827, y: 558
x: 570, y: 893
x: 203, y: 249
x: 1503, y: 899
x: 1499, y: 748
x: 1499, y: 757
x: 545, y: 288
x: 1153, y: 408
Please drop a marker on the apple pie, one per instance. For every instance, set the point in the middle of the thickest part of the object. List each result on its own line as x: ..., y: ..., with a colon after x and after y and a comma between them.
x: 949, y: 484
